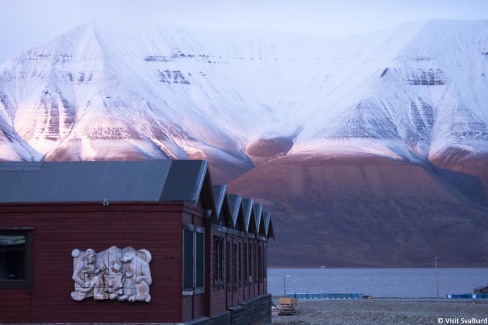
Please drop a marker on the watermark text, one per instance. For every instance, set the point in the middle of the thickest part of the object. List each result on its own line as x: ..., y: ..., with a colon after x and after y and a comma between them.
x: 462, y: 320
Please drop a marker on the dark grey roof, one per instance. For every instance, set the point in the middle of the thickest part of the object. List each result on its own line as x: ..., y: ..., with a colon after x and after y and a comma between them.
x: 247, y: 207
x: 235, y: 202
x: 258, y: 211
x: 185, y: 180
x: 82, y: 181
x: 223, y: 209
x: 219, y: 192
x: 129, y: 181
x: 269, y: 225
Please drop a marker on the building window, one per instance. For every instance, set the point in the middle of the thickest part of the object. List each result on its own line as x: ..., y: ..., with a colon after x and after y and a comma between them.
x: 188, y: 264
x: 260, y: 265
x: 239, y: 262
x: 199, y: 260
x: 250, y: 274
x: 193, y: 259
x: 244, y: 267
x: 16, y: 258
x: 234, y: 266
x: 218, y: 261
x: 265, y: 263
x: 227, y: 272
x: 255, y: 262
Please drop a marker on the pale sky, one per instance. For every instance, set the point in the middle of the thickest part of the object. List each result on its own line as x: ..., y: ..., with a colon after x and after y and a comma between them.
x: 25, y: 24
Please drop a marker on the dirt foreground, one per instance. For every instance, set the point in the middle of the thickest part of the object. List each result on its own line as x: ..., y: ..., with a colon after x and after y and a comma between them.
x: 388, y: 311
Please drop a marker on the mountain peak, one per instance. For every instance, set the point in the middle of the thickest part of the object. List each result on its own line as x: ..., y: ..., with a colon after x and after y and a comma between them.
x: 408, y: 92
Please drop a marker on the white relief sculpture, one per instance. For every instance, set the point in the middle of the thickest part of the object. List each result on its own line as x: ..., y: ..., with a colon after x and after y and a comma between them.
x: 115, y: 274
x: 88, y: 282
x: 137, y: 275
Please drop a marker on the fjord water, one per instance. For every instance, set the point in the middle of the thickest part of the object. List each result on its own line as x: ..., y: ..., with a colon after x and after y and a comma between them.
x: 388, y: 283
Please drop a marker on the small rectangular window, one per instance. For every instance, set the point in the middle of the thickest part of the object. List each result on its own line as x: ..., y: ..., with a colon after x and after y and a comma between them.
x: 188, y: 260
x: 16, y: 258
x: 227, y: 268
x: 193, y: 259
x: 218, y: 261
x: 239, y: 263
x: 200, y: 260
x: 234, y: 266
x: 220, y: 273
x: 244, y: 267
x: 12, y: 257
x: 215, y: 260
x: 255, y: 262
x: 250, y: 275
x: 260, y: 265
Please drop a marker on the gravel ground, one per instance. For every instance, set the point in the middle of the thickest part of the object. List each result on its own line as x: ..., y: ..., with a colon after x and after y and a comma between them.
x: 388, y: 311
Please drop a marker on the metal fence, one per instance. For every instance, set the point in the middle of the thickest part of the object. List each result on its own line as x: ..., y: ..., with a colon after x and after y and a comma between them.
x: 324, y: 296
x: 468, y: 296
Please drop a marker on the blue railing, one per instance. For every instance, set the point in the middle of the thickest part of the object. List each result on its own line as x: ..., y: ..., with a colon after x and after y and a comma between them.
x: 323, y: 295
x: 468, y: 296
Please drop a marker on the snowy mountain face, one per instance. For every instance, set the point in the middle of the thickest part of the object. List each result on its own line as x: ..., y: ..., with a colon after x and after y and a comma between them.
x: 244, y: 97
x: 368, y: 150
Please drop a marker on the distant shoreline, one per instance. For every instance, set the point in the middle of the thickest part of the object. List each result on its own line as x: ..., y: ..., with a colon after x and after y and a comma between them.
x: 368, y: 267
x: 275, y: 299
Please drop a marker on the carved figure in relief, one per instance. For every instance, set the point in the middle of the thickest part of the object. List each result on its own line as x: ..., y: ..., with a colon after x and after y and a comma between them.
x: 114, y: 274
x: 137, y: 275
x: 113, y: 282
x: 88, y: 282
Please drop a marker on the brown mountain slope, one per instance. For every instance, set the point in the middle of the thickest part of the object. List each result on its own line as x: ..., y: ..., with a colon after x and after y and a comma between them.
x: 465, y: 171
x: 365, y: 211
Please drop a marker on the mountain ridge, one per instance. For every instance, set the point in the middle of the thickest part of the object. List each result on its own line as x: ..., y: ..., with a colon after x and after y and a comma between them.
x: 413, y: 96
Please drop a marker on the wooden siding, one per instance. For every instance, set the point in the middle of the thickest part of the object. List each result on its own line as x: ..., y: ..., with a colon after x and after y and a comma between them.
x: 15, y: 306
x: 187, y: 307
x: 198, y: 306
x: 58, y: 229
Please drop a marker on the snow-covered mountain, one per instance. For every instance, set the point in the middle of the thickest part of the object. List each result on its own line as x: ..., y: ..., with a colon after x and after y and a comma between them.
x: 345, y: 139
x: 101, y: 92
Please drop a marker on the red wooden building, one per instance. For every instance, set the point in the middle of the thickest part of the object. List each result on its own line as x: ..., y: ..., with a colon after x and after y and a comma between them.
x: 205, y: 248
